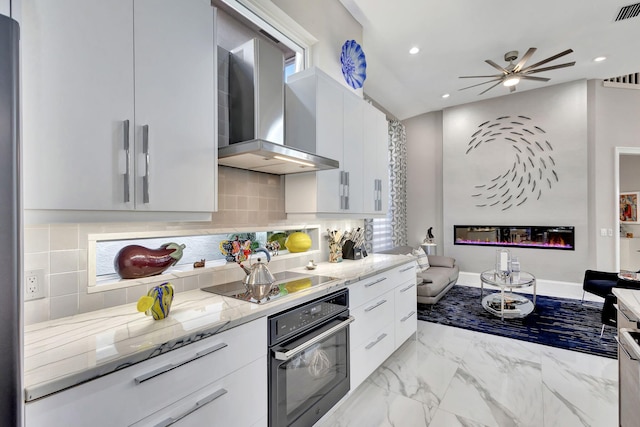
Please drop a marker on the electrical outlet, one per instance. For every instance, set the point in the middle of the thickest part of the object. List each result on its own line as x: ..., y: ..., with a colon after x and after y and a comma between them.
x: 33, y: 284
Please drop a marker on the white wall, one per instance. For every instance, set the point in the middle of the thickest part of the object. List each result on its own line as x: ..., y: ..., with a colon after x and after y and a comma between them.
x: 612, y: 121
x: 561, y: 112
x: 616, y: 124
x: 424, y: 178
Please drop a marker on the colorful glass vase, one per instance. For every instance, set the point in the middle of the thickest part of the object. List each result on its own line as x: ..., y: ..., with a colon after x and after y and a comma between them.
x: 162, y: 296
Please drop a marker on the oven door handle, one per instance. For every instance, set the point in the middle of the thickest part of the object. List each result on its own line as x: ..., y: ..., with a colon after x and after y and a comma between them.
x: 279, y: 355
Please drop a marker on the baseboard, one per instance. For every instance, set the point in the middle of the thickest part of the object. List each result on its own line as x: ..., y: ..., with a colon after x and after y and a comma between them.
x: 553, y: 288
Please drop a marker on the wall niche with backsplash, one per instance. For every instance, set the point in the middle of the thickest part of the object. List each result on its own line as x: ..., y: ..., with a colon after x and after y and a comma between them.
x: 210, y: 254
x: 246, y: 199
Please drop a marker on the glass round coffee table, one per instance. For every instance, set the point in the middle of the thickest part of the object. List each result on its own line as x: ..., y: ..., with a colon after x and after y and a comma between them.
x: 507, y: 304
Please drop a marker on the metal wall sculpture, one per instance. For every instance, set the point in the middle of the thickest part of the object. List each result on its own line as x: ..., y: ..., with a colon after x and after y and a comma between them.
x: 532, y: 170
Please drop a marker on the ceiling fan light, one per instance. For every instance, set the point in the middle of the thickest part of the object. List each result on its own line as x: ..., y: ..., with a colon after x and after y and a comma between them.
x: 511, y: 81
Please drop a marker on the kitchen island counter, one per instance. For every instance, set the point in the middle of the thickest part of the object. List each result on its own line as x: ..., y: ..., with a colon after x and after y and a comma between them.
x: 65, y: 352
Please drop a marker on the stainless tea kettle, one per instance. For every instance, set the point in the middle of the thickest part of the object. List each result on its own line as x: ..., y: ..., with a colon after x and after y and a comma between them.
x: 259, y: 279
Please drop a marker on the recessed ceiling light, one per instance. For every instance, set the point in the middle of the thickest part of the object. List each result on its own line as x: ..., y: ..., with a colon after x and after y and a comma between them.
x: 599, y: 59
x: 414, y: 50
x: 446, y: 95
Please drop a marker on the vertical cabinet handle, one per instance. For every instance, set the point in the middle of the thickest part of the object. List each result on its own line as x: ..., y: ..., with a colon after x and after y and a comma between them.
x: 341, y: 189
x: 145, y: 151
x: 346, y: 204
x: 127, y: 161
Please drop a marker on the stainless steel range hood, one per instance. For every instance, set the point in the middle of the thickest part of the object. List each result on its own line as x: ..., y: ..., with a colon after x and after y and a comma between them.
x: 256, y: 115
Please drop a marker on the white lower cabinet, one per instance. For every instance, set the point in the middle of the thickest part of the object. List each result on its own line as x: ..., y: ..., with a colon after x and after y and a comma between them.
x: 366, y: 357
x: 170, y: 383
x: 384, y: 307
x: 406, y: 314
x: 372, y: 317
x: 223, y: 403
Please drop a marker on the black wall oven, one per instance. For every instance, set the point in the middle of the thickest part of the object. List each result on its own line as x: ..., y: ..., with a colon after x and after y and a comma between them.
x: 308, y: 360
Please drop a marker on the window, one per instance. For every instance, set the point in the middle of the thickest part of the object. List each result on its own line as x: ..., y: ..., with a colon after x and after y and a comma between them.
x: 382, y: 238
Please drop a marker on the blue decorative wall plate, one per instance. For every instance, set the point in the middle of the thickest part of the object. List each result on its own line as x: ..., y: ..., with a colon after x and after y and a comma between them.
x: 354, y: 64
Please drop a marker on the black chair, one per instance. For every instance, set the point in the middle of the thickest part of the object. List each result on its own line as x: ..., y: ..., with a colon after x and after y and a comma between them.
x: 598, y: 283
x: 609, y: 313
x: 601, y: 283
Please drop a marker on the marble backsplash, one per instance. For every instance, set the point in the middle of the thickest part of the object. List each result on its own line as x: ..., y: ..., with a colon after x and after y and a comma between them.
x: 245, y: 199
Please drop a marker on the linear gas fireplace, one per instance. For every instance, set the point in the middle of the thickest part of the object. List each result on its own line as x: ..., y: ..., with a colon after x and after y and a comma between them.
x: 539, y: 237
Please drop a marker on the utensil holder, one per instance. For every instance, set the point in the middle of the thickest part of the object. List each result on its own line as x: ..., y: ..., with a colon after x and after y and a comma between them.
x: 335, y: 252
x: 350, y: 251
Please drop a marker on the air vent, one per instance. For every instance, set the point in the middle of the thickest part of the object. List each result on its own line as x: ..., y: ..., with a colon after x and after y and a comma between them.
x: 627, y: 12
x: 627, y: 81
x: 632, y: 79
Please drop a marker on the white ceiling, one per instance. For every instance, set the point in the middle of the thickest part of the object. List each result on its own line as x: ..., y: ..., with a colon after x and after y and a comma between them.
x: 457, y: 36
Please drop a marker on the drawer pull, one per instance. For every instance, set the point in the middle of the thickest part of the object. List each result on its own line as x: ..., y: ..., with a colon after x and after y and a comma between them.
x: 286, y: 355
x: 623, y: 311
x: 144, y: 377
x: 376, y: 305
x: 199, y: 404
x: 375, y: 282
x: 407, y: 269
x: 621, y: 345
x: 408, y: 316
x: 407, y: 288
x: 380, y: 338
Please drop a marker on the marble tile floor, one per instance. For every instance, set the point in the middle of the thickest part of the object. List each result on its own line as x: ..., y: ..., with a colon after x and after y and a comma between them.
x: 450, y: 377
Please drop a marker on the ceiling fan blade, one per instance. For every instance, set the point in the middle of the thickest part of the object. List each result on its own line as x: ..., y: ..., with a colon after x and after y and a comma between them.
x: 486, y: 90
x: 524, y: 59
x: 480, y: 84
x: 496, y: 66
x: 512, y: 88
x: 538, y: 79
x: 549, y: 59
x: 486, y: 77
x: 553, y: 67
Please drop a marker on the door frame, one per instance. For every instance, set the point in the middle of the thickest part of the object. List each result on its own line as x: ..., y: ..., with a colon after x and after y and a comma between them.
x: 619, y: 151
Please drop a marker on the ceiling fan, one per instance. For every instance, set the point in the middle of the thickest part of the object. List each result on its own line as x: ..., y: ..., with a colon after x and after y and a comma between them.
x: 511, y: 75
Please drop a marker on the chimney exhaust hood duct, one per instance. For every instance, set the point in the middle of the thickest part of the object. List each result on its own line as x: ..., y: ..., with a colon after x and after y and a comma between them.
x: 256, y: 115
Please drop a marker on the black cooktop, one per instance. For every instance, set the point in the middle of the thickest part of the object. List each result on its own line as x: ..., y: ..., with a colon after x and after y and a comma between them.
x: 286, y: 283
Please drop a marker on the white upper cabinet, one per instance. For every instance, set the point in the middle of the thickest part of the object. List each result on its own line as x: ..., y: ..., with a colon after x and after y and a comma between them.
x: 353, y: 159
x: 376, y: 173
x: 323, y: 117
x: 118, y: 105
x: 174, y: 97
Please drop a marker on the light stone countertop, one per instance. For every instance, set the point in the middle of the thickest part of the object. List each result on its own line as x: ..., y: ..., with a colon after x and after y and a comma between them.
x: 630, y: 298
x: 65, y: 352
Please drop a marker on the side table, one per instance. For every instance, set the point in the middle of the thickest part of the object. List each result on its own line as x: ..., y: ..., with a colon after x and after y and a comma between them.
x: 507, y: 304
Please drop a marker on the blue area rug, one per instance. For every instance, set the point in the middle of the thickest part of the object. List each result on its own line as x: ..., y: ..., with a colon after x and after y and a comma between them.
x: 556, y: 322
